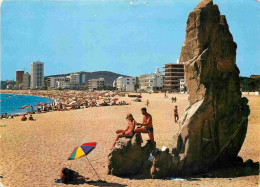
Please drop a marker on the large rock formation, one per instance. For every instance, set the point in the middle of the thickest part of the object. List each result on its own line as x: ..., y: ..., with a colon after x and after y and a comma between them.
x: 129, y: 158
x: 214, y: 126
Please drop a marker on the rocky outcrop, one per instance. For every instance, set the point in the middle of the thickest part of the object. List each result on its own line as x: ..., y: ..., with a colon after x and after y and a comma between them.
x: 214, y: 125
x: 129, y: 158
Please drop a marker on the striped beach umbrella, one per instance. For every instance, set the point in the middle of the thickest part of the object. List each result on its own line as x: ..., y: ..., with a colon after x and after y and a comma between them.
x: 82, y: 150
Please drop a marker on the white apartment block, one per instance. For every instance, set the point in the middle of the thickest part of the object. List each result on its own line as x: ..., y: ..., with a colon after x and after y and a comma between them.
x: 126, y: 84
x: 63, y: 85
x: 74, y: 78
x: 151, y: 82
x: 37, y: 75
x: 94, y: 84
x: 52, y: 81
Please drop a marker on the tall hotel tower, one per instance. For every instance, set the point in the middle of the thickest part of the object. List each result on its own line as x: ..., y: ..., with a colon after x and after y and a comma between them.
x: 37, y: 75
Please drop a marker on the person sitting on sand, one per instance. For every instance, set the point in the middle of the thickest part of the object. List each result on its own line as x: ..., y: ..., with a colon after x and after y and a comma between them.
x: 69, y: 176
x: 38, y: 110
x: 24, y: 118
x: 31, y: 118
x: 2, y: 115
x: 147, y: 128
x: 129, y: 131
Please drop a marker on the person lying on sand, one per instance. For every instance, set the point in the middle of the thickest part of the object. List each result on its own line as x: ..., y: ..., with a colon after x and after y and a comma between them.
x: 147, y: 128
x: 24, y: 118
x: 69, y: 176
x: 129, y: 131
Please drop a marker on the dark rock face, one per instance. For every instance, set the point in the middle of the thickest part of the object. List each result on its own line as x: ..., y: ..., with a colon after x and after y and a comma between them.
x: 214, y: 126
x: 129, y: 158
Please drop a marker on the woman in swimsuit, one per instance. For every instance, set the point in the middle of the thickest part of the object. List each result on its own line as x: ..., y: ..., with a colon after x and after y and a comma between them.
x: 129, y: 131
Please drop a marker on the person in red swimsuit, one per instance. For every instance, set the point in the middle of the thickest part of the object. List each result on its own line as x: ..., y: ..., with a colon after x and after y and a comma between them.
x: 176, y: 115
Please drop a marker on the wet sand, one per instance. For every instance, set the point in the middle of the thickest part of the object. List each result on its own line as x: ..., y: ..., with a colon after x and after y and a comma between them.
x: 32, y: 153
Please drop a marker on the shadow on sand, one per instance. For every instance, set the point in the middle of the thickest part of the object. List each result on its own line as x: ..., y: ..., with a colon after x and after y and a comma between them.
x: 231, y: 169
x: 234, y: 170
x: 95, y: 183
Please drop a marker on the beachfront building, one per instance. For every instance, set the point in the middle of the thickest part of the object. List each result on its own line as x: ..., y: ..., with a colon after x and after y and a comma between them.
x: 26, y: 81
x: 182, y: 86
x: 114, y: 83
x: 95, y: 84
x: 52, y: 81
x: 151, y: 82
x: 82, y: 77
x: 254, y: 76
x: 74, y: 78
x: 19, y: 79
x: 37, y: 75
x: 173, y: 73
x: 63, y: 85
x: 9, y: 87
x: 127, y: 84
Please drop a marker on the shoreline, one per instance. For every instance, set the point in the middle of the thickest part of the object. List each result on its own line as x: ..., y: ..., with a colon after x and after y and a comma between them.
x: 15, y: 114
x: 61, y: 101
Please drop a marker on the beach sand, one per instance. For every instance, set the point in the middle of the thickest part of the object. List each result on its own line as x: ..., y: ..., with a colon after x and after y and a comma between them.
x: 32, y: 153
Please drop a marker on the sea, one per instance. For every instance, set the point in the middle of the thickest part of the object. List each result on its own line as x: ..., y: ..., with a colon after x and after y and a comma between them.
x: 11, y: 103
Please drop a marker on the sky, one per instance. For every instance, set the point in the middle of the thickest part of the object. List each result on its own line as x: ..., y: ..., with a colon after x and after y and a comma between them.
x: 113, y: 35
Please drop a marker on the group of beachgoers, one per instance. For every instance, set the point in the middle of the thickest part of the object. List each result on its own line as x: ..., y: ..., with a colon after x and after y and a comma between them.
x: 24, y: 118
x: 6, y: 116
x: 68, y: 100
x: 137, y: 128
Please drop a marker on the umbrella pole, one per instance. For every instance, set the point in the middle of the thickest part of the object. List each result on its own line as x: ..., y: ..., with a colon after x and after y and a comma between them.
x: 93, y: 168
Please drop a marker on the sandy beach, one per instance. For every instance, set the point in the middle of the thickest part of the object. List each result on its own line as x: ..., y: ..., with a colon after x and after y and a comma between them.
x: 32, y: 153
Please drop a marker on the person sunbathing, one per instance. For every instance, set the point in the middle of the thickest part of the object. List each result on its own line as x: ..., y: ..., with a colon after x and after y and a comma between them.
x: 69, y: 176
x: 24, y: 118
x: 129, y: 131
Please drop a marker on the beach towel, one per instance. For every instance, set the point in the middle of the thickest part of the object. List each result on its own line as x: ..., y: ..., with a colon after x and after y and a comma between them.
x: 177, y: 179
x: 57, y: 180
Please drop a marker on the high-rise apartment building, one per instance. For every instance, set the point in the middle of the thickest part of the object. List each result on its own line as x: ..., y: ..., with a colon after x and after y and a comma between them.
x: 37, y: 75
x: 173, y: 73
x: 26, y: 81
x: 19, y: 79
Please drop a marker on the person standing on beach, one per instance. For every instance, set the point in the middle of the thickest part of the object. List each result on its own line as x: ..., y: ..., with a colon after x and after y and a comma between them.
x: 176, y: 115
x: 147, y: 103
x: 147, y: 127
